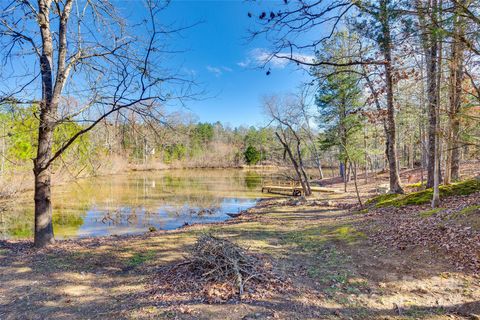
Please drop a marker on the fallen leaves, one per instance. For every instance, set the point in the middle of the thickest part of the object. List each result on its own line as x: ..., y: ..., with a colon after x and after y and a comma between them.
x: 445, y: 230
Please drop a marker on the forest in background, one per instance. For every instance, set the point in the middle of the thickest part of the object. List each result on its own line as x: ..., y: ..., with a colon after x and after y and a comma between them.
x: 113, y: 146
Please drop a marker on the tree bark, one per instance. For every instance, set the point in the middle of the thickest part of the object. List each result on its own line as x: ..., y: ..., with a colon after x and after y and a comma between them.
x: 438, y: 78
x: 366, y: 152
x: 386, y: 46
x: 356, y: 185
x: 430, y: 44
x: 308, y: 190
x: 43, y: 210
x: 432, y: 117
x: 455, y: 99
x: 42, y: 194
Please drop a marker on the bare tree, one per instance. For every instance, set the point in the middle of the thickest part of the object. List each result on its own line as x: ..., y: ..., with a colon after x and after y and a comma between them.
x: 55, y: 49
x: 287, y: 116
x: 307, y: 117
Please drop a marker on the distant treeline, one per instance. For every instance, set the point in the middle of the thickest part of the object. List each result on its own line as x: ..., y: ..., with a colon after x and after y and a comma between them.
x: 136, y: 143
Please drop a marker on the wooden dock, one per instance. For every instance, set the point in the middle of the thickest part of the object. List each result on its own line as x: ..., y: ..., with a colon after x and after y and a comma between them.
x: 293, y: 189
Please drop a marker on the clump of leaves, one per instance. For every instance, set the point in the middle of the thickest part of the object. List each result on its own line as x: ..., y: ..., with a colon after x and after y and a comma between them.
x: 452, y: 229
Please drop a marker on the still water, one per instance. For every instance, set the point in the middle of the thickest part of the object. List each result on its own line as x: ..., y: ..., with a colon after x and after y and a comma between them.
x: 135, y: 202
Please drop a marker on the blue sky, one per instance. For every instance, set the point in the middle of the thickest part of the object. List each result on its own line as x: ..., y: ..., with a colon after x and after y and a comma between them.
x: 215, y: 52
x: 223, y: 61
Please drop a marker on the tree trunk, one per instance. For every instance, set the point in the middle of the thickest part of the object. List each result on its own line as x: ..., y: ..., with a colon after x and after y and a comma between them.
x: 349, y: 171
x: 42, y: 197
x: 438, y: 78
x: 456, y: 80
x: 389, y: 124
x: 422, y: 154
x: 320, y: 170
x: 436, y: 177
x: 411, y: 154
x: 43, y: 210
x: 455, y: 157
x: 366, y: 152
x: 50, y: 98
x: 432, y: 117
x: 430, y: 44
x: 306, y: 191
x: 356, y: 185
x: 395, y: 186
x: 438, y: 137
x: 436, y: 180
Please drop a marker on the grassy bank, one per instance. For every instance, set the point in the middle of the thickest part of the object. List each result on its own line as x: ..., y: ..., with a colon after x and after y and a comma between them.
x: 336, y: 273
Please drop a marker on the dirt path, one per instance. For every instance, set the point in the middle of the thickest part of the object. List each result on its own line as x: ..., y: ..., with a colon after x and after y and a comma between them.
x: 336, y: 271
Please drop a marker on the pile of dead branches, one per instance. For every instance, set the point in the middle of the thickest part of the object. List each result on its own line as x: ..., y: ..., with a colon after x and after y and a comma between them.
x: 221, y: 260
x: 219, y: 270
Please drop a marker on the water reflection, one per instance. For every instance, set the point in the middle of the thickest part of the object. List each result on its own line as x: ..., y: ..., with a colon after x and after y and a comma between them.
x: 136, y: 202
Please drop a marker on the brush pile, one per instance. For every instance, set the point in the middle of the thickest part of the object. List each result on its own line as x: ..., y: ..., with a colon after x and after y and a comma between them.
x: 221, y: 260
x: 217, y: 270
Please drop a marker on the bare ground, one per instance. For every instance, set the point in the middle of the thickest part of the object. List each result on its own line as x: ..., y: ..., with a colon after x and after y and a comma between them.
x: 337, y: 267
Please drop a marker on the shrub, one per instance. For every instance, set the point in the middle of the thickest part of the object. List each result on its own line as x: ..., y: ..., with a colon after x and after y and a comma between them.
x: 252, y: 155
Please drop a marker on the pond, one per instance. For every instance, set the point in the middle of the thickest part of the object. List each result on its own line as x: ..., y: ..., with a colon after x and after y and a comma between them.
x: 139, y: 201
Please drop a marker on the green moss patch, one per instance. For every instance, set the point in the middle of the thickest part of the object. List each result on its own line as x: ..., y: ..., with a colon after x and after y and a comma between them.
x: 469, y: 210
x: 421, y: 197
x: 363, y: 211
x: 313, y: 239
x: 347, y: 233
x: 414, y: 185
x: 382, y: 198
x: 139, y: 258
x: 429, y: 213
x: 466, y: 211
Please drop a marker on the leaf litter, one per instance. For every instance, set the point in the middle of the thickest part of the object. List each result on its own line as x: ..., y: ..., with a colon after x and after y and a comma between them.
x: 450, y: 229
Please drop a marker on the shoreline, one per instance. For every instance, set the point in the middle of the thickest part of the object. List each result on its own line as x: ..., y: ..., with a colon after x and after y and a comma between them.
x: 9, y: 243
x: 261, y: 203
